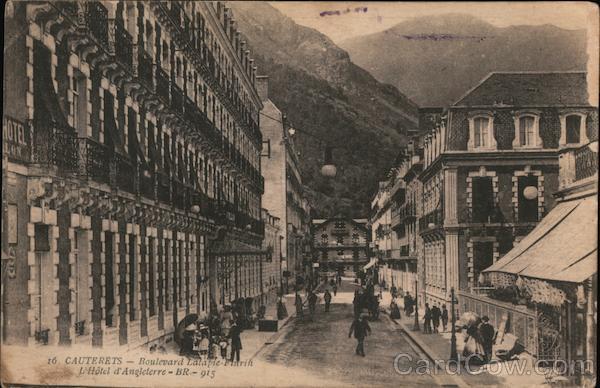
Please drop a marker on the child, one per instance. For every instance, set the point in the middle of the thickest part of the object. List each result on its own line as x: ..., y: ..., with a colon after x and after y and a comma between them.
x: 223, y: 345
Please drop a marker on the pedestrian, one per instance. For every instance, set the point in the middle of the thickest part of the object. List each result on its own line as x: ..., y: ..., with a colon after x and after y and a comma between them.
x: 312, y: 302
x: 427, y: 320
x: 357, y: 303
x: 327, y: 297
x: 360, y: 328
x: 334, y: 289
x: 236, y: 342
x: 298, y: 303
x: 436, y: 313
x: 487, y: 335
x: 407, y: 302
x: 444, y: 317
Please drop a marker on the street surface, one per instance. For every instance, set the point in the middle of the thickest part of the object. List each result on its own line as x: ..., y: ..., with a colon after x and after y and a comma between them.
x: 322, y: 347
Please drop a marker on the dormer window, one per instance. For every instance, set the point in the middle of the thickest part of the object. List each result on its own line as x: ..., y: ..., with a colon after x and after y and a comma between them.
x: 527, y: 130
x: 573, y: 129
x: 481, y: 132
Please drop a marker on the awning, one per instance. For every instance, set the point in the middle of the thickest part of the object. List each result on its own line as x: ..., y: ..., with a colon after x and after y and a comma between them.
x: 563, y: 247
x: 370, y: 264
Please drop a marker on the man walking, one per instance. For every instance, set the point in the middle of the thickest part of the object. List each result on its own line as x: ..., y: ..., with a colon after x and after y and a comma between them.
x: 327, y: 298
x: 360, y: 327
x: 298, y: 303
x: 427, y: 320
x: 334, y: 289
x: 487, y: 335
x: 236, y: 342
x: 312, y: 302
x: 444, y: 317
x: 436, y: 313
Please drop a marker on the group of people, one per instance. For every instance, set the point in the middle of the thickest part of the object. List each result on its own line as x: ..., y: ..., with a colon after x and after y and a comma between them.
x: 366, y: 299
x: 479, y: 340
x: 433, y: 316
x: 215, y: 336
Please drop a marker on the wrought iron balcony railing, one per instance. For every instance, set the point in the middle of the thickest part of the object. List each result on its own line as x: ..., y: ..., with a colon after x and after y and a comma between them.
x: 123, y: 46
x: 97, y: 22
x: 56, y: 146
x: 145, y: 68
x: 431, y: 220
x: 162, y: 85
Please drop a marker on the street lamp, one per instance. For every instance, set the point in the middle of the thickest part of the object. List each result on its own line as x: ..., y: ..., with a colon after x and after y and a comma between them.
x: 453, y: 355
x: 329, y: 169
x: 416, y: 325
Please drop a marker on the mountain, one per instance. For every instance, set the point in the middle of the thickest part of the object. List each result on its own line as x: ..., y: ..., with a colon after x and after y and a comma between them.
x: 436, y: 59
x: 322, y: 92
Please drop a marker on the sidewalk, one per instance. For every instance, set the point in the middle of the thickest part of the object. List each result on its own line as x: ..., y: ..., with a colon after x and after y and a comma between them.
x: 437, y: 347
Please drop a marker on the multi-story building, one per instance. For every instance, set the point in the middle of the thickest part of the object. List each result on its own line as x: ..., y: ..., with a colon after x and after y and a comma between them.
x: 380, y: 221
x: 489, y: 170
x: 285, y: 196
x: 271, y: 268
x: 133, y: 185
x: 342, y: 244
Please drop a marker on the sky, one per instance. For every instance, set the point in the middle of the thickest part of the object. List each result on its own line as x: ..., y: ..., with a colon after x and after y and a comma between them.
x: 360, y: 18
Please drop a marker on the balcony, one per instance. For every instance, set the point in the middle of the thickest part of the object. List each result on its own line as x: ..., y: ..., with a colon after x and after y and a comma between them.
x: 96, y: 160
x: 125, y: 173
x: 578, y: 164
x: 146, y: 181
x: 431, y: 220
x: 123, y: 46
x: 145, y: 68
x: 96, y: 17
x: 56, y: 146
x: 162, y: 85
x: 163, y: 188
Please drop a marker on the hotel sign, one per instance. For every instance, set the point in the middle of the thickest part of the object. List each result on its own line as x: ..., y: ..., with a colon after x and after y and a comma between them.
x: 16, y: 139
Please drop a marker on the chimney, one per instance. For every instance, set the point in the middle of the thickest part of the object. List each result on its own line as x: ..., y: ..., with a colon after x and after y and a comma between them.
x: 262, y: 87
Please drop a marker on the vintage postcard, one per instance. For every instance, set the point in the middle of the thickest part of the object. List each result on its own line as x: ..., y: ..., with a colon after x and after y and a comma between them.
x: 299, y: 194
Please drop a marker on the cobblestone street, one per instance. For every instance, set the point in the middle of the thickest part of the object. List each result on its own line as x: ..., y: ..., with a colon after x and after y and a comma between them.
x: 322, y: 347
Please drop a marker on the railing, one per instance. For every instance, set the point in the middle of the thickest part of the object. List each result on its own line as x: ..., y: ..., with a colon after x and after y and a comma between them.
x: 123, y: 46
x: 145, y: 68
x: 163, y: 190
x: 97, y: 22
x: 586, y: 162
x: 146, y: 179
x: 96, y: 160
x: 42, y: 336
x: 578, y: 164
x: 55, y: 146
x: 125, y: 173
x: 435, y: 217
x: 178, y: 194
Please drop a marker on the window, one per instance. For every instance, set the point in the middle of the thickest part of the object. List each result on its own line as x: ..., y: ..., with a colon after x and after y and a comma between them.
x: 324, y: 255
x: 481, y: 132
x: 527, y: 131
x: 483, y: 257
x: 79, y: 104
x: 573, y: 129
x: 355, y: 238
x: 528, y: 208
x: 151, y: 278
x: 340, y: 240
x: 573, y: 123
x: 483, y: 199
x: 82, y: 289
x: 341, y: 252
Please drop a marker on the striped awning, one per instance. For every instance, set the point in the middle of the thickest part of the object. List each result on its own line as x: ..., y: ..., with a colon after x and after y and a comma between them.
x: 563, y: 247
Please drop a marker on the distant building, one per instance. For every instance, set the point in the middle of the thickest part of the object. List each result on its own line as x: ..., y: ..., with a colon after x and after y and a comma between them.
x: 285, y: 195
x: 271, y: 267
x: 341, y: 244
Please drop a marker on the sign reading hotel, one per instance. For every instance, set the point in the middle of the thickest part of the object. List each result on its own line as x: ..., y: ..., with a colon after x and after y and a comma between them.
x: 16, y: 139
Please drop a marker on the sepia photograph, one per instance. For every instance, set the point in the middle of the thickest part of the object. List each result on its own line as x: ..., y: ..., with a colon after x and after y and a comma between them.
x: 299, y: 194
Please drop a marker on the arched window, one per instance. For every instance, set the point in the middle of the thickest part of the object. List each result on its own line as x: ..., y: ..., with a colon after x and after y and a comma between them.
x: 481, y: 132
x: 527, y: 131
x: 573, y: 128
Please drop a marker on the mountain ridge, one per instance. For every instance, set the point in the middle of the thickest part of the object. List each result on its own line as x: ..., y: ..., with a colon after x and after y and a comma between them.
x: 442, y: 56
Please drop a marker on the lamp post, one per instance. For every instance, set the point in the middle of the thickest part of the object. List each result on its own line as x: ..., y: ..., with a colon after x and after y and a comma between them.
x: 453, y: 355
x: 416, y: 325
